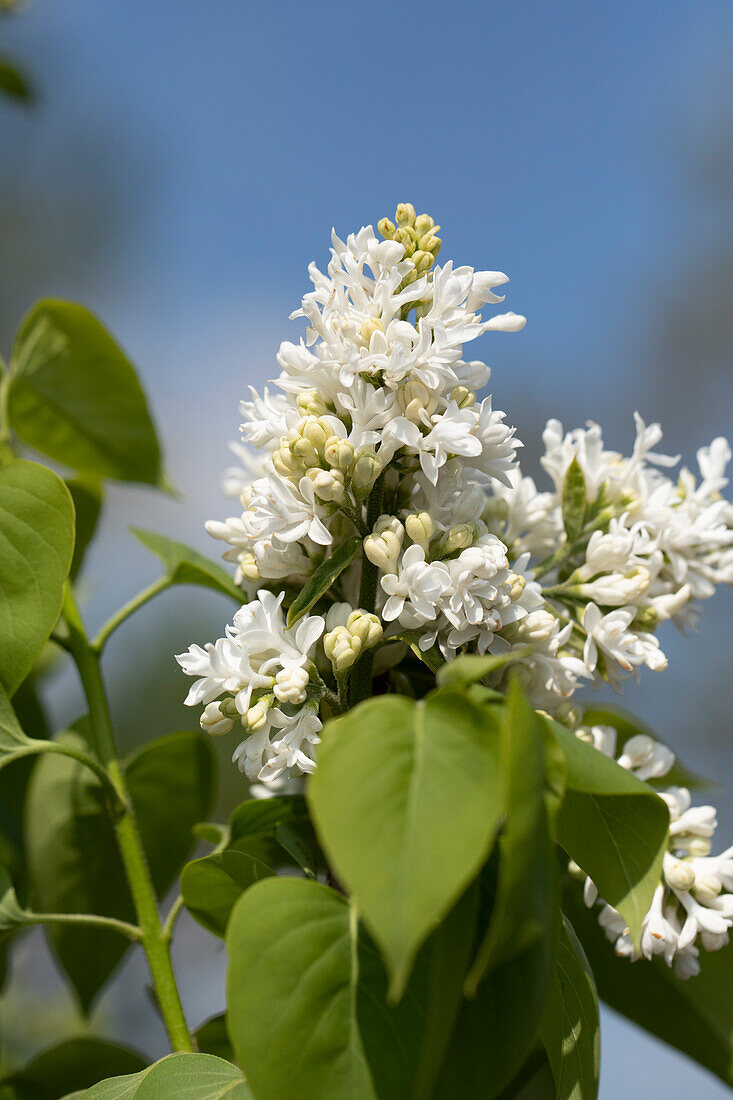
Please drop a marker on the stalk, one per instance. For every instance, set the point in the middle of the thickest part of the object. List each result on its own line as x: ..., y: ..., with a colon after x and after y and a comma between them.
x: 155, y: 941
x: 361, y: 678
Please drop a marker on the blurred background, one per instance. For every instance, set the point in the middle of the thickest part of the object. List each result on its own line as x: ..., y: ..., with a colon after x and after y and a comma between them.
x: 182, y: 163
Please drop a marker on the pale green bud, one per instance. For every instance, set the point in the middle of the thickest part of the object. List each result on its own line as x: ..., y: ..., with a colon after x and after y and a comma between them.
x: 368, y: 329
x: 214, y: 721
x: 459, y: 537
x: 424, y: 224
x: 405, y: 237
x: 414, y: 399
x: 517, y: 584
x: 286, y: 463
x: 420, y: 527
x: 310, y: 403
x: 463, y: 397
x: 304, y: 450
x: 423, y: 261
x: 386, y: 228
x: 698, y: 846
x: 366, y: 627
x: 365, y: 470
x: 316, y: 431
x: 570, y: 715
x: 342, y: 648
x: 328, y: 484
x: 646, y: 618
x: 707, y: 887
x: 338, y: 452
x: 405, y: 214
x: 248, y: 566
x: 431, y: 244
x: 679, y: 874
x: 383, y: 550
x: 256, y: 716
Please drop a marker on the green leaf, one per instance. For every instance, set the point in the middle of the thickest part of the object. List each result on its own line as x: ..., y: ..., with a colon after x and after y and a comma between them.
x: 406, y: 800
x: 626, y: 726
x: 87, y: 494
x: 292, y: 993
x: 320, y: 581
x: 570, y: 1028
x: 177, y: 1077
x: 14, y: 83
x: 212, y: 1037
x: 263, y: 837
x: 693, y: 1016
x: 36, y: 546
x: 74, y: 863
x: 614, y: 827
x: 75, y: 397
x: 573, y: 501
x: 527, y: 889
x: 473, y: 666
x: 73, y: 1064
x: 511, y: 975
x: 213, y: 885
x: 12, y: 916
x: 186, y: 566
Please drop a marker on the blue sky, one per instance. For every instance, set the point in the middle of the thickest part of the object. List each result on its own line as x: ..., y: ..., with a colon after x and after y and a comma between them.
x: 562, y: 143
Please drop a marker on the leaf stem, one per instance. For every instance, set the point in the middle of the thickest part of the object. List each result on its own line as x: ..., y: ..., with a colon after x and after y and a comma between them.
x: 93, y: 920
x: 154, y: 940
x: 129, y: 609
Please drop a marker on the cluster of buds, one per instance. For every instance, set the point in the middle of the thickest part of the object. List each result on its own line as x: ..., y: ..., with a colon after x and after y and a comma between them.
x: 384, y: 544
x: 350, y: 632
x: 313, y: 448
x: 418, y: 235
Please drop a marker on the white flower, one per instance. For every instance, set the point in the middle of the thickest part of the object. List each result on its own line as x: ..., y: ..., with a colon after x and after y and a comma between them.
x: 278, y: 510
x: 419, y: 582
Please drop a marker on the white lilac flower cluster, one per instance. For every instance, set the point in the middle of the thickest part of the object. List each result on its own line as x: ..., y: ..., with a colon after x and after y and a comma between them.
x: 693, y: 903
x: 376, y: 433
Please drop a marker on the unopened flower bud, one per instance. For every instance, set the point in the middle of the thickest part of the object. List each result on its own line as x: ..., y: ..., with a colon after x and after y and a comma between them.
x: 569, y: 714
x: 256, y: 716
x: 707, y: 888
x: 420, y: 527
x: 328, y: 484
x: 678, y: 873
x: 366, y: 627
x: 285, y: 462
x: 406, y: 238
x: 386, y: 228
x: 699, y: 847
x: 342, y: 648
x: 213, y: 721
x: 365, y: 470
x: 422, y: 260
x: 405, y: 214
x: 646, y: 619
x: 463, y: 397
x: 368, y: 329
x: 383, y: 550
x: 248, y: 566
x: 517, y: 584
x: 338, y: 452
x: 430, y: 243
x: 389, y: 523
x: 424, y: 223
x: 311, y: 403
x: 458, y: 538
x: 416, y: 400
x: 290, y: 685
x: 495, y: 511
x: 535, y: 627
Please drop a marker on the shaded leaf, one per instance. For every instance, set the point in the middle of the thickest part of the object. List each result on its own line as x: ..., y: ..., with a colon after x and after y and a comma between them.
x: 212, y: 1037
x: 570, y: 1028
x: 73, y: 1064
x: 87, y: 494
x: 321, y: 580
x: 213, y: 885
x: 14, y: 82
x: 406, y: 800
x: 75, y: 396
x: 693, y: 1016
x: 614, y: 827
x: 36, y: 546
x: 74, y: 863
x: 12, y: 916
x: 186, y: 566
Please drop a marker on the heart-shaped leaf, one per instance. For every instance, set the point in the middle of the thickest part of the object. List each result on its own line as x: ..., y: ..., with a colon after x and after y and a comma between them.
x: 36, y: 547
x: 177, y: 1077
x: 406, y: 800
